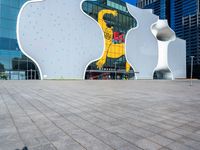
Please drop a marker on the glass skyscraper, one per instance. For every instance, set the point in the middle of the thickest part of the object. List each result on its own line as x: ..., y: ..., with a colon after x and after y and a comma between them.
x: 160, y: 7
x: 13, y: 64
x: 183, y: 17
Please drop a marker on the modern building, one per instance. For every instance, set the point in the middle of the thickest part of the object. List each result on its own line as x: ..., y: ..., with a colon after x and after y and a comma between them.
x: 14, y: 65
x: 183, y: 17
x: 191, y: 33
x: 103, y: 39
x: 160, y: 8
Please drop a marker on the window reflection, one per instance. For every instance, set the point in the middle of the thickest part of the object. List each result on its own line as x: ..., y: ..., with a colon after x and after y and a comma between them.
x: 13, y: 64
x: 117, y: 26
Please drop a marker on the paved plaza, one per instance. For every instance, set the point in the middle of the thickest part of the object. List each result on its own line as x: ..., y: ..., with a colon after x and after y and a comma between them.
x: 99, y: 115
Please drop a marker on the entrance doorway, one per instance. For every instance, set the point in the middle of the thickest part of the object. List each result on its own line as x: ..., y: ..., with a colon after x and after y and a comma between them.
x: 109, y: 75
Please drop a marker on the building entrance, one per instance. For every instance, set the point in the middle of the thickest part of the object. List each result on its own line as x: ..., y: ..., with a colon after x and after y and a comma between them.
x: 109, y: 75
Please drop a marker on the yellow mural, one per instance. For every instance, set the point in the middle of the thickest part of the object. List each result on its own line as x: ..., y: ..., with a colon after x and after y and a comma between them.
x: 112, y: 50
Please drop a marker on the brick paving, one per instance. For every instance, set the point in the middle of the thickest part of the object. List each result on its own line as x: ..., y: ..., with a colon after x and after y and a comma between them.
x: 99, y: 115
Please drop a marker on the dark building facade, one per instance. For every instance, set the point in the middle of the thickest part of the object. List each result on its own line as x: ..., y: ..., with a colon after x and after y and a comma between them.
x: 160, y: 7
x: 191, y: 33
x: 13, y: 64
x: 183, y: 17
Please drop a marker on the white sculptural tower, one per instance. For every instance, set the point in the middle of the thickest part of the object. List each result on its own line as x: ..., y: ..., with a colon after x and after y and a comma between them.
x: 165, y: 35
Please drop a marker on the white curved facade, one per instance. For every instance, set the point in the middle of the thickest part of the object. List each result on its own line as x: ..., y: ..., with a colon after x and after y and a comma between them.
x: 62, y: 42
x: 141, y: 45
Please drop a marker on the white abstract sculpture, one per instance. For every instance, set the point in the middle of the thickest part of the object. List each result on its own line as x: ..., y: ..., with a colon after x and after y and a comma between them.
x: 60, y: 38
x: 141, y: 45
x: 153, y: 49
x: 164, y: 35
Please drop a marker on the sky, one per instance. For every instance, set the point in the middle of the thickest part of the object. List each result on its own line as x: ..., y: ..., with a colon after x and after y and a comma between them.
x: 130, y: 1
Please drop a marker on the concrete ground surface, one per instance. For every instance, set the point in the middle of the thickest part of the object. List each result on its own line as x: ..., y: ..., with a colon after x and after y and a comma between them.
x: 99, y: 115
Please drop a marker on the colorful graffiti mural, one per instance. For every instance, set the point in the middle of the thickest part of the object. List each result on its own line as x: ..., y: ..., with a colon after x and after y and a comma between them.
x: 115, y: 21
x: 112, y: 49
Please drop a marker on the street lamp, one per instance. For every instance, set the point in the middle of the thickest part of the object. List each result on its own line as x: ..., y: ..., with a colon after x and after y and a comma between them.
x: 115, y: 70
x: 192, y: 61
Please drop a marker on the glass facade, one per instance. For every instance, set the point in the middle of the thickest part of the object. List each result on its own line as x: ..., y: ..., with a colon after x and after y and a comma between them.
x: 13, y: 64
x: 154, y: 4
x: 159, y: 7
x: 190, y: 28
x: 115, y: 20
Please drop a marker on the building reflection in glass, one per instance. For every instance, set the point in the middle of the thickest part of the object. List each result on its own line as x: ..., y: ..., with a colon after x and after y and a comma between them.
x: 13, y: 64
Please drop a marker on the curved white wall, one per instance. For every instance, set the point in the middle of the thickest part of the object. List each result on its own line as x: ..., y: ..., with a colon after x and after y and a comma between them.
x: 149, y: 49
x: 59, y: 37
x: 177, y: 58
x: 62, y: 40
x: 141, y: 45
